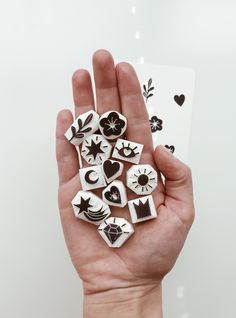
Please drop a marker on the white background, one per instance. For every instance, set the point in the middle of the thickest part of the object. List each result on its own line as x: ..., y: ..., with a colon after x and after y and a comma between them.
x: 41, y: 44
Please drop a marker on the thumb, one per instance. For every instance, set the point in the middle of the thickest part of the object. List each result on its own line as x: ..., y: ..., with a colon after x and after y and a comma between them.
x: 178, y: 178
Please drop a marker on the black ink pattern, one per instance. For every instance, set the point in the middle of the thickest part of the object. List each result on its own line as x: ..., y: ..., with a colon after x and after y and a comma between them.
x: 84, y: 205
x: 142, y: 209
x: 95, y: 149
x: 88, y: 179
x: 113, y: 232
x: 81, y: 127
x: 112, y: 124
x: 171, y: 148
x: 110, y: 168
x: 127, y: 151
x: 148, y: 89
x: 144, y: 180
x: 179, y: 99
x: 96, y: 216
x: 155, y: 123
x: 113, y: 195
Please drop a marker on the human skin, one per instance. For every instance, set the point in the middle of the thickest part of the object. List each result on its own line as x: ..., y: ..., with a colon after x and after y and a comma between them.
x: 123, y: 282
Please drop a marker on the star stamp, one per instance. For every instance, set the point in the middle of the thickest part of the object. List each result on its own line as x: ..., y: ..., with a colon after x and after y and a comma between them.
x: 142, y: 179
x: 90, y: 208
x: 92, y: 178
x: 95, y: 149
x: 115, y: 231
x: 115, y: 194
x: 84, y: 125
x: 112, y: 125
x: 127, y: 150
x: 142, y: 209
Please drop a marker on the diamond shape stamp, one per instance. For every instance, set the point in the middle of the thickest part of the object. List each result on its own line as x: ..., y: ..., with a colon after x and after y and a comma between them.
x: 115, y: 231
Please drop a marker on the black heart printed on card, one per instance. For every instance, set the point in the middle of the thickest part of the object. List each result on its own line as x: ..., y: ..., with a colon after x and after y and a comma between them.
x: 110, y: 168
x: 113, y: 195
x: 171, y: 148
x: 179, y: 99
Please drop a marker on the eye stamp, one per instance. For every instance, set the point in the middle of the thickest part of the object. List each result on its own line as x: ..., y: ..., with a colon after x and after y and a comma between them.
x: 127, y: 150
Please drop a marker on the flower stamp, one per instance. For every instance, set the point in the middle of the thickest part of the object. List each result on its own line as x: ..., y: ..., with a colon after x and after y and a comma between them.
x: 112, y: 125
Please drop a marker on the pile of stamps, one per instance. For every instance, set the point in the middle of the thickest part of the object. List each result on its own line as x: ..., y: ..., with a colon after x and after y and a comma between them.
x: 98, y: 141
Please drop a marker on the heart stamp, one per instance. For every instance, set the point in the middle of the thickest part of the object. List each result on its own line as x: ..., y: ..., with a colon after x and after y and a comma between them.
x: 115, y: 194
x: 112, y: 169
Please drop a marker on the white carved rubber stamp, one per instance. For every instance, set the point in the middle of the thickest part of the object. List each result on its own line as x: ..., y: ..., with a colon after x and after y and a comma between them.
x: 92, y: 178
x: 115, y: 194
x: 84, y: 126
x: 112, y: 169
x: 115, y: 231
x: 142, y: 179
x: 142, y: 209
x: 112, y: 125
x: 89, y: 207
x: 127, y: 150
x: 95, y: 149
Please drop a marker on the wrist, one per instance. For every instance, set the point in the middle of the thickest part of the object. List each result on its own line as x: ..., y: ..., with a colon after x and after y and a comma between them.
x: 136, y: 301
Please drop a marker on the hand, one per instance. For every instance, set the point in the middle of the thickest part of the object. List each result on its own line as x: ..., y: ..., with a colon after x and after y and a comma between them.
x: 133, y: 273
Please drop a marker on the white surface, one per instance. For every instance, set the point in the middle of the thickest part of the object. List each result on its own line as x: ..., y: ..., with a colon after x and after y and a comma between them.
x: 42, y: 43
x: 169, y: 81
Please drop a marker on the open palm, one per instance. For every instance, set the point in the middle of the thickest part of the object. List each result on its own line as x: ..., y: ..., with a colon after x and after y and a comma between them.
x: 152, y: 251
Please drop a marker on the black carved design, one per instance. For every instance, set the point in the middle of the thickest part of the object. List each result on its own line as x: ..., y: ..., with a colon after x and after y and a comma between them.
x: 113, y: 232
x: 95, y: 149
x: 84, y: 206
x: 110, y: 168
x: 171, y: 148
x: 155, y: 123
x: 112, y: 124
x: 144, y: 180
x: 126, y: 151
x: 142, y: 209
x: 147, y: 90
x: 113, y: 195
x: 88, y: 179
x: 79, y: 133
x: 179, y: 99
x: 96, y: 216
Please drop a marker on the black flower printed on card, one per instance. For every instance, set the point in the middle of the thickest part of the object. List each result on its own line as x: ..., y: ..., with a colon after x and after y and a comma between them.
x: 112, y: 124
x: 147, y: 90
x: 155, y: 123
